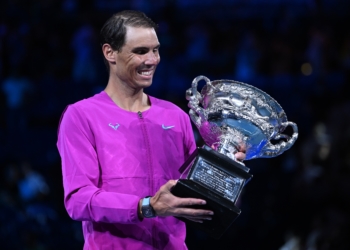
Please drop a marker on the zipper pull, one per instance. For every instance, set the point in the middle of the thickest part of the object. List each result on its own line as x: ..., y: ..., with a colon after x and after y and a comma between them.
x: 140, y: 114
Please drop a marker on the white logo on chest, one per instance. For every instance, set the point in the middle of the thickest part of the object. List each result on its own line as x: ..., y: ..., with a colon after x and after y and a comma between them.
x: 167, y: 127
x: 115, y: 127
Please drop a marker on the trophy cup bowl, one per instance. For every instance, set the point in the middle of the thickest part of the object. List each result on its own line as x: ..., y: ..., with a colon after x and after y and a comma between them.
x: 230, y: 116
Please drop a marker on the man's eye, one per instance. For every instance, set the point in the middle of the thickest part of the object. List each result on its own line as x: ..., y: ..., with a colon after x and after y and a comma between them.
x: 141, y: 52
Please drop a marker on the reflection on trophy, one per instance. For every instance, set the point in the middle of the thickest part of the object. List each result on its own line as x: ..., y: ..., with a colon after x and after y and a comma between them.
x: 230, y: 116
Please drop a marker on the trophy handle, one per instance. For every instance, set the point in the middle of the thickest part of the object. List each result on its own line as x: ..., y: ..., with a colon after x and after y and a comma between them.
x: 197, y: 113
x: 271, y: 150
x: 195, y: 84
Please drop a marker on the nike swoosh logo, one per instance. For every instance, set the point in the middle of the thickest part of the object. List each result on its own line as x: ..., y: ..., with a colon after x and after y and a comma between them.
x: 167, y: 127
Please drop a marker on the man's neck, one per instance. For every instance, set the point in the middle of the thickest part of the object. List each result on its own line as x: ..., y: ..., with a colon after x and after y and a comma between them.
x: 133, y: 100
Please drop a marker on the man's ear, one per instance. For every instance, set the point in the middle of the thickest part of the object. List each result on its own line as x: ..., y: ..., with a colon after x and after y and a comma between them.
x: 108, y: 53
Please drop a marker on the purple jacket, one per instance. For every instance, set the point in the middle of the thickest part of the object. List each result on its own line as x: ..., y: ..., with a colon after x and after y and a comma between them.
x: 111, y: 158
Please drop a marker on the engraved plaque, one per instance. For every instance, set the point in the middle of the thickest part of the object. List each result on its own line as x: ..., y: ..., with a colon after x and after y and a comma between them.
x: 220, y: 182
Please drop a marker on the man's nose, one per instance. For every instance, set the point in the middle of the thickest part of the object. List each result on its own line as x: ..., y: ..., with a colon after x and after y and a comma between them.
x: 152, y: 58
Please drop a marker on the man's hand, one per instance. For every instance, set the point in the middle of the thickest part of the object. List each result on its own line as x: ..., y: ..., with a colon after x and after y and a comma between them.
x: 165, y: 203
x: 240, y: 156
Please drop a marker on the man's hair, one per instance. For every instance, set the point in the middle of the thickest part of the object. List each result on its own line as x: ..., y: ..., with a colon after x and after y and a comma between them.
x: 113, y: 31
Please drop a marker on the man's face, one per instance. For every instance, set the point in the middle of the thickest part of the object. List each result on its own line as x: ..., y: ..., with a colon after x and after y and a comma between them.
x: 137, y: 60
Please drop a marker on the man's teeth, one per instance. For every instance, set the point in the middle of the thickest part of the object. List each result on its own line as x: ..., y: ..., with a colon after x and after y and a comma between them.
x: 146, y: 73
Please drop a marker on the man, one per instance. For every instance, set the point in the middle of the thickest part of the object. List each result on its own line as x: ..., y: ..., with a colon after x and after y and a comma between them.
x: 121, y: 149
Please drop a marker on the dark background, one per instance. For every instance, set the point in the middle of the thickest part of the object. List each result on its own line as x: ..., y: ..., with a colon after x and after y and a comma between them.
x: 298, y: 51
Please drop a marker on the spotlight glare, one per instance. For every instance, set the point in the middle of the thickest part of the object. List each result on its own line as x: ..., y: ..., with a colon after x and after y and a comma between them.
x: 306, y: 69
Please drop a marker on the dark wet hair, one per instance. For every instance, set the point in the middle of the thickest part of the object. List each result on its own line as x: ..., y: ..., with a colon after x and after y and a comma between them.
x: 113, y: 31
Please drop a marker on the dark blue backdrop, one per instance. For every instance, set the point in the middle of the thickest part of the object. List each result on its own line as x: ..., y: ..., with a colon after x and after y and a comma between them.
x: 298, y: 51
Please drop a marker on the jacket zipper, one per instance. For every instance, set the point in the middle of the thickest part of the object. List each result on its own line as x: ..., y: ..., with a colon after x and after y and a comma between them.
x: 148, y: 150
x: 150, y: 166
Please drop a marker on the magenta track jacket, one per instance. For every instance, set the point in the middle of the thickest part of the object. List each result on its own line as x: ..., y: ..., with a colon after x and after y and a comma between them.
x: 111, y: 158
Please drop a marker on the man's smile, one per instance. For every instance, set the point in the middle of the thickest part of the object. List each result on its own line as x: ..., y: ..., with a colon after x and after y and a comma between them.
x: 146, y: 72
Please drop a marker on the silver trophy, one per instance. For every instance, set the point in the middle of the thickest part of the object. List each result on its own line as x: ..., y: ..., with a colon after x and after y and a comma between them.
x: 230, y: 116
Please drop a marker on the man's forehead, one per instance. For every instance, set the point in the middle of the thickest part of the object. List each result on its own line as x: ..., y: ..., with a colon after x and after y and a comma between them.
x: 140, y: 35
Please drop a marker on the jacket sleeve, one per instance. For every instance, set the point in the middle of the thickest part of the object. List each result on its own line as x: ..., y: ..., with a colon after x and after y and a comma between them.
x: 189, y: 138
x: 83, y: 198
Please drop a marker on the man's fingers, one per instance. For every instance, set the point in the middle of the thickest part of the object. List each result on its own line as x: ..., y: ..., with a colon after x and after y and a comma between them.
x: 202, y: 218
x: 186, y: 202
x: 170, y: 184
x: 199, y: 221
x: 240, y: 156
x: 194, y: 213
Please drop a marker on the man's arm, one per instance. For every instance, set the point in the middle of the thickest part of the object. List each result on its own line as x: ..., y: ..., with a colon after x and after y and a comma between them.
x: 83, y: 198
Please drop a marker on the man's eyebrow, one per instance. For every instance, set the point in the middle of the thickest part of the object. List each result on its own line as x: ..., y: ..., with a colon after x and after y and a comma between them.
x: 145, y: 48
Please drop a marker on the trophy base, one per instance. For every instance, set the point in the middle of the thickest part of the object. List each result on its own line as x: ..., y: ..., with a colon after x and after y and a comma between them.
x: 225, y: 212
x: 207, y: 180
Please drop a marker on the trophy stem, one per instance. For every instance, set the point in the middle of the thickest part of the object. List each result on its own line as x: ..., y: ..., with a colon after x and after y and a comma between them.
x: 229, y: 148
